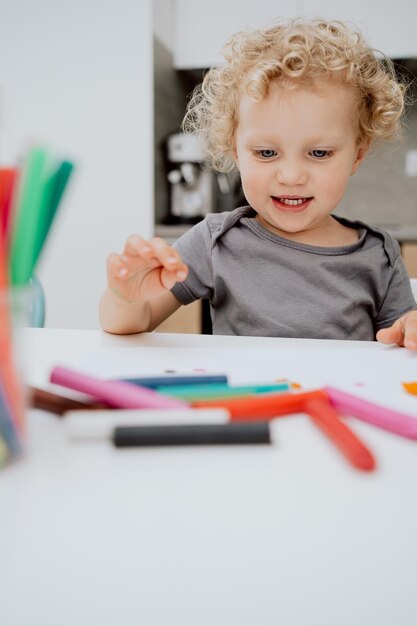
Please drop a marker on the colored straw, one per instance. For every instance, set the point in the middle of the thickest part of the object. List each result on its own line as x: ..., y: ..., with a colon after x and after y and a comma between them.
x: 52, y: 194
x: 8, y: 184
x: 29, y: 205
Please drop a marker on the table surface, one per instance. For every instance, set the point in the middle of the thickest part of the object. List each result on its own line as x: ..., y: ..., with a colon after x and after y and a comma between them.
x: 285, y: 534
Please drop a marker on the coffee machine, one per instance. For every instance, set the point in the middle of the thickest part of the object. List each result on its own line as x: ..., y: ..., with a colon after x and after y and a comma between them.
x: 195, y: 189
x: 190, y: 180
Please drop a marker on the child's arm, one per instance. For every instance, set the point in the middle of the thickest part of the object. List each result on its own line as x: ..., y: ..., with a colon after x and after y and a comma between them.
x: 138, y: 296
x: 403, y: 332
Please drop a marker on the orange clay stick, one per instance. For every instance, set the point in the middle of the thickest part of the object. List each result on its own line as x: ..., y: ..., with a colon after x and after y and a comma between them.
x: 328, y: 420
x: 262, y: 407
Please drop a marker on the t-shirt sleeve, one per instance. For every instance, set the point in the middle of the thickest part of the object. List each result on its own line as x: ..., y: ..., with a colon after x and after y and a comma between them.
x: 399, y: 297
x: 195, y: 249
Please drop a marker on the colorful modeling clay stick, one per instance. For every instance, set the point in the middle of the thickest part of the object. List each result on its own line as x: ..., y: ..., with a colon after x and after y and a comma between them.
x: 153, y: 382
x: 8, y: 431
x: 328, y: 420
x: 195, y: 434
x: 114, y: 393
x: 388, y: 419
x: 9, y: 378
x: 411, y: 388
x: 262, y: 406
x: 54, y: 403
x: 203, y: 392
x: 4, y: 453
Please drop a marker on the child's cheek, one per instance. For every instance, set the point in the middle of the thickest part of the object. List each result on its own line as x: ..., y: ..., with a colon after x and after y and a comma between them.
x: 251, y: 183
x: 334, y: 180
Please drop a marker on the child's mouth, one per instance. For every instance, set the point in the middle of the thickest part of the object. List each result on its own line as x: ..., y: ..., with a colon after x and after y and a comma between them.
x: 291, y: 205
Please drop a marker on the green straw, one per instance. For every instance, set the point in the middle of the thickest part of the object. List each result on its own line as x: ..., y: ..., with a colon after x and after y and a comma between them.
x: 40, y: 195
x: 53, y: 192
x: 29, y: 205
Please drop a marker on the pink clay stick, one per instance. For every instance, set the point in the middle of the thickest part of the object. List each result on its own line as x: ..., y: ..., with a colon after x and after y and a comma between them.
x: 388, y: 419
x: 115, y: 393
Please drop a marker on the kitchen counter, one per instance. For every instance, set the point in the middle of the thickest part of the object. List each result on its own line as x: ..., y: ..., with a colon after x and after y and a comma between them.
x: 171, y: 232
x: 403, y: 234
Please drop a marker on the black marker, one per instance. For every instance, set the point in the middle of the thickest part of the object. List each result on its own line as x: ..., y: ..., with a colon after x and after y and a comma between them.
x: 192, y: 434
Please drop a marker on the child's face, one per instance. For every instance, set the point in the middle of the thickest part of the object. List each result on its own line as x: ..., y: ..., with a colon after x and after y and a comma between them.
x: 296, y: 150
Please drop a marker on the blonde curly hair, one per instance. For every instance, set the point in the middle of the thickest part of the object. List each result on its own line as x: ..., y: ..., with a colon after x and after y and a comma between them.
x: 300, y: 53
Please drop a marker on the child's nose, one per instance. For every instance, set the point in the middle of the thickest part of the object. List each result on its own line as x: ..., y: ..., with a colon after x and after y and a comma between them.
x: 291, y: 172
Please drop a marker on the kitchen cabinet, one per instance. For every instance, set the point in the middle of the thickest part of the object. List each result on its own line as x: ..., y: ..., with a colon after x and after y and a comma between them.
x: 389, y: 27
x: 201, y: 29
x: 409, y: 254
x: 187, y: 319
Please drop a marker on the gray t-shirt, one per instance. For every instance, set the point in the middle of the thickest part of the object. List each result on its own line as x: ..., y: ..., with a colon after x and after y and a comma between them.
x: 259, y: 283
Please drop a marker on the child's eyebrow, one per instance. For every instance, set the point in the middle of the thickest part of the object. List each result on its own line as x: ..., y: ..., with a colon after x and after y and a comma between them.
x: 321, y: 144
x: 262, y: 141
x: 274, y: 135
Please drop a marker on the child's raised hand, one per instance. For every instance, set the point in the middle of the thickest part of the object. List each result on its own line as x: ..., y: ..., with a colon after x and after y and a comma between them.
x: 403, y: 332
x: 144, y: 270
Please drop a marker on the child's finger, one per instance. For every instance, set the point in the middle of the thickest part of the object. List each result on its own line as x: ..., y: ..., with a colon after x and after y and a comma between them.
x: 116, y: 267
x: 156, y: 249
x: 403, y: 332
x: 393, y: 334
x: 168, y: 278
x: 410, y: 332
x: 166, y: 255
x: 137, y: 246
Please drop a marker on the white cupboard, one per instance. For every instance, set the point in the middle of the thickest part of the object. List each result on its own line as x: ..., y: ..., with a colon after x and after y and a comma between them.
x: 201, y: 29
x: 390, y: 26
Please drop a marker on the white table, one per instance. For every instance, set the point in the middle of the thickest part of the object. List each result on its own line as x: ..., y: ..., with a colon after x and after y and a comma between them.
x: 287, y: 534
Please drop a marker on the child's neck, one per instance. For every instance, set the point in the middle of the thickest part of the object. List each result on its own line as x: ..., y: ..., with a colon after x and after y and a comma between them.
x: 332, y: 234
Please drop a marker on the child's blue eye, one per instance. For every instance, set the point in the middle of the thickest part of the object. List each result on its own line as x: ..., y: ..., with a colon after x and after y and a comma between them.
x: 266, y: 154
x: 320, y: 154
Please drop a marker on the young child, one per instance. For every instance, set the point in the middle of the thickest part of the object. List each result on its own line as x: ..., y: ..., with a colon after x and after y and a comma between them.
x: 295, y: 108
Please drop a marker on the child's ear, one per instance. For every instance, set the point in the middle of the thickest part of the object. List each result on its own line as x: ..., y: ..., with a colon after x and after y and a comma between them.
x: 361, y: 152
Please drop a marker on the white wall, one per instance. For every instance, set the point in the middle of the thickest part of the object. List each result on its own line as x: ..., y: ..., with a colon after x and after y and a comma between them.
x: 77, y: 76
